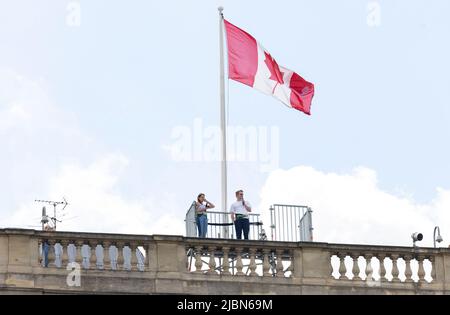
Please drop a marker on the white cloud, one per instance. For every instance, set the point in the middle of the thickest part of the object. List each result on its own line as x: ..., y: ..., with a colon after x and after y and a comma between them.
x: 26, y: 107
x: 97, y: 205
x: 46, y: 155
x: 36, y: 136
x: 351, y: 208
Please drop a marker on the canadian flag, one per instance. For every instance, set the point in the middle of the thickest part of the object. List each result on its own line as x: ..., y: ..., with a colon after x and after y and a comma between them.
x: 251, y: 64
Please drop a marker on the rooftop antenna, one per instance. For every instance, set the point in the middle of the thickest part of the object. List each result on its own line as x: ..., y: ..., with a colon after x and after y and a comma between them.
x: 45, y: 218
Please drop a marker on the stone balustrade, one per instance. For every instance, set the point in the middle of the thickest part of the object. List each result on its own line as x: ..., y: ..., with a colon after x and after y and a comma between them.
x: 153, y: 264
x: 102, y: 252
x: 360, y: 264
x: 259, y: 260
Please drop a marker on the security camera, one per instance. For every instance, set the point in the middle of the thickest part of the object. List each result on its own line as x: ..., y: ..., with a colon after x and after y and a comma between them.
x: 416, y: 237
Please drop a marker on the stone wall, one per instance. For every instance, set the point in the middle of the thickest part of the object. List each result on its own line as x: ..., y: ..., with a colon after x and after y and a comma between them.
x: 175, y: 264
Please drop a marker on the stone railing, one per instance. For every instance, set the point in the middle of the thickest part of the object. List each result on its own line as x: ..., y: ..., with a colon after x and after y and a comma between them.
x: 95, y: 251
x: 357, y: 263
x: 260, y: 259
x: 152, y: 264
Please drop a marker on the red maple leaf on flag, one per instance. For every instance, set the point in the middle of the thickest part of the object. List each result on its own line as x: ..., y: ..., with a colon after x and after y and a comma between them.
x: 275, y: 72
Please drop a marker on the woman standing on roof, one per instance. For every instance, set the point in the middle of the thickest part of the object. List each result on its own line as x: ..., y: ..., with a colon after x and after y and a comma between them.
x: 201, y: 206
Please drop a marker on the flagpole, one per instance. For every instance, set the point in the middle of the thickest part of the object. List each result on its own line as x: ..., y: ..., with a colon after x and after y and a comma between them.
x: 223, y: 126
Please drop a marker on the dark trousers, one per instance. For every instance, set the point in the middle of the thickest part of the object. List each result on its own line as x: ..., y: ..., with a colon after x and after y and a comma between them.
x: 242, y: 225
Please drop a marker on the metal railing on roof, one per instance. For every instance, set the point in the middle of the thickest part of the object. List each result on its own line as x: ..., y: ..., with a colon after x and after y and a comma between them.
x: 220, y: 224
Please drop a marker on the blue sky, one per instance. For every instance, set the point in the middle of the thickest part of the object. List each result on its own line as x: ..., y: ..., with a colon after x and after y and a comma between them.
x: 114, y: 88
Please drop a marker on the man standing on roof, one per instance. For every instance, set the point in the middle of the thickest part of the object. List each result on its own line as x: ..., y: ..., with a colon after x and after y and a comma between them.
x: 239, y: 214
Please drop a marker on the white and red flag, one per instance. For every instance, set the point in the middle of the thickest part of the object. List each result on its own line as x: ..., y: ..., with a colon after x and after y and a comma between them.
x: 251, y: 64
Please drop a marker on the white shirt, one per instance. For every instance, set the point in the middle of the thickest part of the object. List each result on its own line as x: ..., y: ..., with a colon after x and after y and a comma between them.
x: 238, y: 208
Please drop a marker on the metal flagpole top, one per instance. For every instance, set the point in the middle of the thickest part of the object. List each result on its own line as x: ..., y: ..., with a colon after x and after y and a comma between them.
x: 220, y: 10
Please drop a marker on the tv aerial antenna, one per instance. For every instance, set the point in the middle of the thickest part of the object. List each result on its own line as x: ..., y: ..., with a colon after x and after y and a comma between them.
x: 45, y: 218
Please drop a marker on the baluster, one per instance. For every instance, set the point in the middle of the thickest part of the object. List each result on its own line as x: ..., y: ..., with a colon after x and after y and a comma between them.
x: 65, y: 253
x: 279, y: 267
x: 266, y: 263
x: 106, y: 256
x: 78, y: 254
x: 421, y: 271
x: 395, y: 271
x: 290, y: 267
x: 51, y: 253
x: 433, y: 268
x: 38, y: 254
x: 93, y: 260
x: 342, y: 268
x: 239, y: 265
x: 355, y: 269
x: 382, y: 267
x: 233, y: 260
x: 133, y: 258
x: 408, y: 270
x: 113, y: 257
x: 226, y: 262
x: 120, y: 258
x: 330, y: 265
x: 58, y: 254
x: 148, y: 247
x: 252, y: 265
x: 212, y: 261
x: 369, y: 269
x: 86, y: 259
x: 198, y: 259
